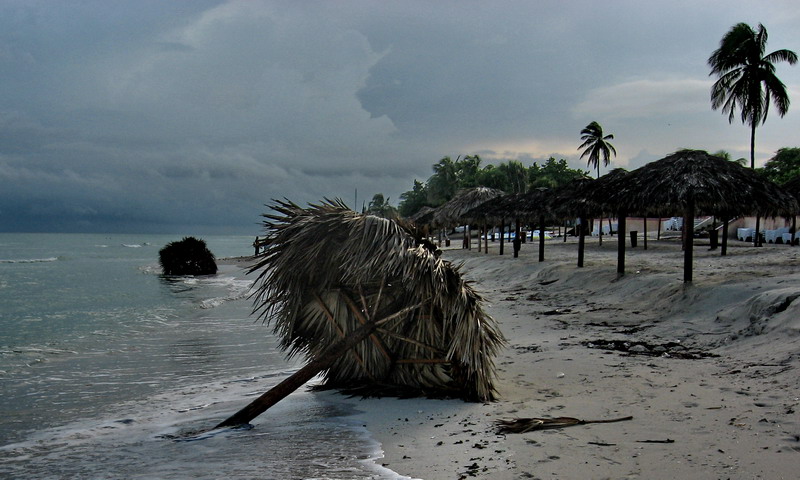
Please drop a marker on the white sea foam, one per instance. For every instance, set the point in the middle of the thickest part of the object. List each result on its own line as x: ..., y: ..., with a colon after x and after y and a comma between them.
x: 167, y: 436
x: 30, y: 260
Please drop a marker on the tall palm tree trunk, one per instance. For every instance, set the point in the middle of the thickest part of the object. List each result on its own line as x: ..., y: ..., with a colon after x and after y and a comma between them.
x: 757, y: 236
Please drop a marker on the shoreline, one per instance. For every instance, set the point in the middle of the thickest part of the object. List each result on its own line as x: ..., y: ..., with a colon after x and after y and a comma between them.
x: 729, y: 411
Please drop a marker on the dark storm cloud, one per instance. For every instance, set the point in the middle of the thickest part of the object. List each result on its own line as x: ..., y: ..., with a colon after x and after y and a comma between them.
x: 142, y: 115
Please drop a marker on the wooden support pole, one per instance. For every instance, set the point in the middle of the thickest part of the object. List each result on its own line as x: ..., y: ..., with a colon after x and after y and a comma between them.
x: 725, y: 237
x: 757, y: 235
x: 645, y: 233
x: 486, y: 240
x: 502, y: 234
x: 688, y: 241
x: 581, y: 239
x: 541, y: 238
x: 299, y: 378
x: 621, y: 243
x: 314, y: 367
x: 658, y: 233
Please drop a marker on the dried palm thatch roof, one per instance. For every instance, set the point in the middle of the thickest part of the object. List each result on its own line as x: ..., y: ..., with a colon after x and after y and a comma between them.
x: 711, y: 184
x: 495, y: 209
x: 451, y: 212
x: 792, y: 187
x: 576, y: 199
x: 538, y: 203
x: 603, y: 189
x: 424, y: 216
x: 588, y: 197
x: 327, y: 270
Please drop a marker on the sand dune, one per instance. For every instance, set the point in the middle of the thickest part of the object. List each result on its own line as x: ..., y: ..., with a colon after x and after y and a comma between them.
x: 708, y: 370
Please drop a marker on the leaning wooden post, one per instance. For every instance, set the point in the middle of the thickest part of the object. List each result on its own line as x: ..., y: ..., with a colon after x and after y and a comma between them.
x: 688, y: 240
x: 621, y: 243
x: 581, y: 239
x: 299, y: 378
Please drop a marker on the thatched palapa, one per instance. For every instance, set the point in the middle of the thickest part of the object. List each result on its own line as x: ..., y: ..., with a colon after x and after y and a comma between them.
x: 328, y: 270
x: 707, y: 184
x: 692, y: 181
x: 451, y: 212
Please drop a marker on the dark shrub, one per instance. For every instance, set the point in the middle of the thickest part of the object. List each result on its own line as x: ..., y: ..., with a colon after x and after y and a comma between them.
x: 190, y: 256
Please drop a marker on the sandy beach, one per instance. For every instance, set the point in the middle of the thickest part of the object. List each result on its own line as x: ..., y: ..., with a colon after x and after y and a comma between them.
x: 707, y: 370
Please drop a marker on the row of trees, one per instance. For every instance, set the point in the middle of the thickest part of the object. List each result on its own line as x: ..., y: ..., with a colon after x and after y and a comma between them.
x: 450, y: 176
x: 746, y: 84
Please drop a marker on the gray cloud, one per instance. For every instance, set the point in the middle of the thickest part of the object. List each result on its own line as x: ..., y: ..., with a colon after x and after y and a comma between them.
x: 153, y: 115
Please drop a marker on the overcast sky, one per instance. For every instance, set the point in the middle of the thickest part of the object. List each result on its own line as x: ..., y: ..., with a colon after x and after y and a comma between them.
x: 189, y: 116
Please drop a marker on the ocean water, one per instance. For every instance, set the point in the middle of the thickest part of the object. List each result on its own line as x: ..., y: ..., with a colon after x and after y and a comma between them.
x: 106, y: 366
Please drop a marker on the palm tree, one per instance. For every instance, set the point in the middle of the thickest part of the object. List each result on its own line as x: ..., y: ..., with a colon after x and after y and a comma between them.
x: 747, y: 80
x: 597, y: 146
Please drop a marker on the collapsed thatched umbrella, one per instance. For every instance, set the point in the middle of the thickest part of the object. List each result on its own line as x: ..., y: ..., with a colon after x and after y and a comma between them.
x: 329, y: 272
x: 449, y: 214
x: 691, y: 181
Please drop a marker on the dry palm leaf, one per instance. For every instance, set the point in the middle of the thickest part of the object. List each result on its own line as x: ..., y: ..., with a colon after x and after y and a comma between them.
x: 523, y: 425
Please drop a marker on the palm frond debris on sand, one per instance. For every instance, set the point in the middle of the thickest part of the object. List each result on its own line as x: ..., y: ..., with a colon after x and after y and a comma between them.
x: 523, y: 425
